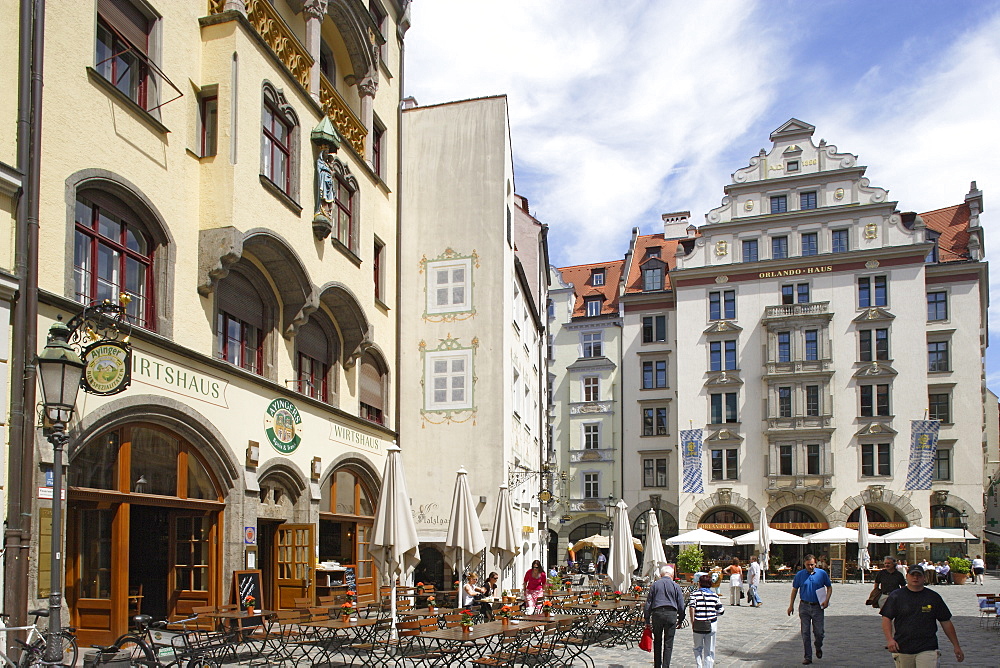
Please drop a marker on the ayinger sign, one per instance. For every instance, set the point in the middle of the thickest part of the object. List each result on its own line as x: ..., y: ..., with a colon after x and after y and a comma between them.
x: 283, y: 426
x: 108, y: 368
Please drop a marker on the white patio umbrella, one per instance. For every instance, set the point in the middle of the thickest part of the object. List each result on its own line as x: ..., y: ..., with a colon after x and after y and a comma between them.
x: 774, y: 537
x: 464, y: 542
x: 394, y: 546
x: 653, y: 548
x: 622, y: 561
x: 864, y: 559
x: 503, y: 541
x: 764, y: 541
x: 699, y: 537
x: 918, y: 534
x: 834, y: 535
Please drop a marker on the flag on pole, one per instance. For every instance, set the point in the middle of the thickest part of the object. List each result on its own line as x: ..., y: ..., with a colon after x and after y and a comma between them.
x: 923, y: 448
x: 691, y: 457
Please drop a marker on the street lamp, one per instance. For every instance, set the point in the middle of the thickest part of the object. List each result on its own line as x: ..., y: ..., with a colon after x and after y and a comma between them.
x: 609, y: 509
x: 60, y: 370
x: 965, y: 525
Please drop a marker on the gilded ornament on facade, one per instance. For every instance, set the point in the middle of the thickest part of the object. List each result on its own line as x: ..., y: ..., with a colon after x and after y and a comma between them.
x: 348, y: 125
x: 838, y: 194
x: 871, y: 231
x: 721, y: 248
x: 721, y: 279
x: 871, y: 264
x: 748, y: 205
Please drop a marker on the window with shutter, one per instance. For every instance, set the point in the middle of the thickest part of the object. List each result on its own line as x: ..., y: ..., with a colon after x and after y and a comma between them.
x: 313, y: 360
x: 241, y: 323
x: 122, y: 48
x: 371, y: 389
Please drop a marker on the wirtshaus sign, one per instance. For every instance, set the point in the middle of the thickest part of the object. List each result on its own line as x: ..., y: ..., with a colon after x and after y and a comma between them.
x: 283, y: 426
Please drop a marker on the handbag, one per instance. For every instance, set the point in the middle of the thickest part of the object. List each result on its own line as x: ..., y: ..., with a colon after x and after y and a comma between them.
x: 702, y: 625
x: 646, y: 642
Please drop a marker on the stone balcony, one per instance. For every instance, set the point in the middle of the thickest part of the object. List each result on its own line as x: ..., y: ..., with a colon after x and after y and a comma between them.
x: 586, y: 505
x: 590, y: 407
x: 800, y: 423
x: 809, y: 309
x: 798, y: 482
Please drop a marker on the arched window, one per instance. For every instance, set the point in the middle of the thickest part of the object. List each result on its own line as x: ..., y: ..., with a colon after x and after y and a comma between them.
x: 242, y: 322
x: 945, y: 517
x: 724, y: 517
x: 314, y: 352
x: 113, y: 255
x: 668, y: 527
x: 372, y: 388
x: 792, y: 515
x: 873, y: 514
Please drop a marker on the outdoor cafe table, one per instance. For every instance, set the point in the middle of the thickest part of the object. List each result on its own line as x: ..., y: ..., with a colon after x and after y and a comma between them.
x: 549, y: 618
x: 427, y: 612
x: 331, y: 635
x: 465, y: 646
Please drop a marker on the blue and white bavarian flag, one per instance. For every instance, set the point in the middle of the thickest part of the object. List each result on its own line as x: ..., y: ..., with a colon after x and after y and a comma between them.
x: 691, y: 459
x: 923, y: 448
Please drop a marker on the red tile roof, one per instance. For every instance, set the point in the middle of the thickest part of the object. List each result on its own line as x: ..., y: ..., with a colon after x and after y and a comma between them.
x: 579, y: 275
x: 952, y: 223
x: 668, y: 250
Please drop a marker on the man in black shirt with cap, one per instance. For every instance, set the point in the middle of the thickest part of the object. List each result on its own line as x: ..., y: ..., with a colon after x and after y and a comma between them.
x: 915, y: 611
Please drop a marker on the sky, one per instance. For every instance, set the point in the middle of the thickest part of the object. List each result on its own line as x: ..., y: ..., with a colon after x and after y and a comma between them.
x: 622, y: 110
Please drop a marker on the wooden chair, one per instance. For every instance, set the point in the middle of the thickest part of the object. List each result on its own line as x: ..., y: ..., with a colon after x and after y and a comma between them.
x: 302, y: 603
x: 318, y: 614
x: 508, y: 652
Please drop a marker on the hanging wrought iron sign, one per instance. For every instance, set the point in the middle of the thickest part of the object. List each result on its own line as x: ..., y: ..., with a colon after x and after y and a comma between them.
x: 109, y: 368
x: 102, y: 332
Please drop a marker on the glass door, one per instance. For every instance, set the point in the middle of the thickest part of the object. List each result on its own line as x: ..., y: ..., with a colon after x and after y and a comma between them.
x: 294, y: 547
x: 89, y: 572
x: 192, y: 559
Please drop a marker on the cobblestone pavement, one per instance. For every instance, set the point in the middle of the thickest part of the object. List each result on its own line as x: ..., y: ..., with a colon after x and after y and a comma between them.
x: 766, y: 636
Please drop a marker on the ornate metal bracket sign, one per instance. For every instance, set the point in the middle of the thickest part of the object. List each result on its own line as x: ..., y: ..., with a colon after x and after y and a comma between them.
x: 101, y: 332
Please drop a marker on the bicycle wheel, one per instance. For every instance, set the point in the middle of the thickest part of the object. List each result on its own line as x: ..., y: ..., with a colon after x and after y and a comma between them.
x: 71, y: 651
x: 202, y: 662
x: 139, y: 653
x: 31, y: 655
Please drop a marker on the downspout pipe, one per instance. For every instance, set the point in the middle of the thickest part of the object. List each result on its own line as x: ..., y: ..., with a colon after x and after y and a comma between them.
x: 399, y: 221
x: 21, y: 462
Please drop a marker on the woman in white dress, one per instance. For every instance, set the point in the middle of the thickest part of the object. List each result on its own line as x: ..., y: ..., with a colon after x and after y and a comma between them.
x: 735, y: 573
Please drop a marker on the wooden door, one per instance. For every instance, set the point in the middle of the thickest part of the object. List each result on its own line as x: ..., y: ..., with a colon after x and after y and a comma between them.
x: 294, y: 564
x: 193, y: 536
x: 366, y: 576
x: 90, y: 571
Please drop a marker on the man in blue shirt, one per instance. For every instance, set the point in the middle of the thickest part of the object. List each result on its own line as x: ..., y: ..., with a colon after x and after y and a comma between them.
x: 814, y: 589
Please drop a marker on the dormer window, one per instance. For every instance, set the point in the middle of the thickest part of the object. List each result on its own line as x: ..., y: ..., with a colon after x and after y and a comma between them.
x: 653, y: 252
x: 597, y: 277
x: 932, y: 254
x: 652, y: 274
x: 792, y: 166
x: 592, y: 306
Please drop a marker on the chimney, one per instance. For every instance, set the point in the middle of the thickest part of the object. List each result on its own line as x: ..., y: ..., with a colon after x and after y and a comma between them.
x: 675, y: 224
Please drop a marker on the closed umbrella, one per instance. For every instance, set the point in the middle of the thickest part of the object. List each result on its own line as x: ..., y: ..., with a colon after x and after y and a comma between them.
x: 503, y: 541
x: 654, y: 556
x: 622, y: 561
x: 700, y: 537
x: 864, y: 559
x: 464, y: 544
x: 394, y: 546
x: 764, y: 541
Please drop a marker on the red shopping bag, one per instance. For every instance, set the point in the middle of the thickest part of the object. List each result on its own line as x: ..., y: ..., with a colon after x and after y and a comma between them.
x: 647, y: 639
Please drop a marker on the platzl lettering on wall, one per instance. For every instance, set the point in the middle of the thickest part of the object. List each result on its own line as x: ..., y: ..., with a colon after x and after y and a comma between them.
x: 160, y: 373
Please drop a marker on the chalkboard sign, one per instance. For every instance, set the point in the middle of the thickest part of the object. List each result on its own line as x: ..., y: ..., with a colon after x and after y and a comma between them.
x: 837, y: 569
x: 247, y: 584
x: 350, y: 579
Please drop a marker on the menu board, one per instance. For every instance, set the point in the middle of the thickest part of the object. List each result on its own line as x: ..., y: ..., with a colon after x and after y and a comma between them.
x: 837, y: 571
x: 350, y: 579
x: 247, y: 583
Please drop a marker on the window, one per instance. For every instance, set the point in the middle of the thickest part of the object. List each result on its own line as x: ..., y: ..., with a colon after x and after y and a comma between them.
x: 591, y: 486
x: 654, y: 421
x: 750, y: 250
x: 937, y: 305
x: 779, y: 203
x: 810, y: 243
x: 372, y: 388
x: 784, y: 346
x: 515, y: 392
x: 812, y: 345
x: 652, y: 277
x: 449, y: 286
x: 654, y: 328
x: 937, y: 356
x: 654, y: 472
x: 654, y: 374
x: 377, y: 271
x: 812, y: 400
x: 591, y: 342
x: 812, y: 459
x: 123, y: 47
x: 378, y: 148
x: 723, y: 407
x: 450, y: 380
x: 653, y: 251
x: 592, y: 306
x: 327, y: 64
x: 840, y: 241
x: 722, y: 305
x: 802, y: 293
x: 942, y: 464
x: 939, y: 407
x: 779, y: 248
x: 208, y: 124
x: 379, y: 17
x: 784, y: 460
x: 724, y: 464
x: 240, y: 323
x: 344, y: 203
x: 880, y: 339
x: 932, y: 255
x: 312, y: 360
x: 792, y: 166
x: 592, y: 436
x: 597, y: 277
x: 112, y: 255
x: 874, y: 400
x: 872, y: 291
x: 807, y: 201
x: 784, y: 402
x: 277, y: 148
x: 875, y: 459
x: 591, y: 388
x: 722, y: 355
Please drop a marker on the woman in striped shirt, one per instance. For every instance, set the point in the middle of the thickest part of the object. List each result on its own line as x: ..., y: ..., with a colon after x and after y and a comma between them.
x: 705, y: 608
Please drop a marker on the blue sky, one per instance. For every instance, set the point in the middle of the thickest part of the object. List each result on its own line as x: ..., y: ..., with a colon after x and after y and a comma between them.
x: 623, y: 110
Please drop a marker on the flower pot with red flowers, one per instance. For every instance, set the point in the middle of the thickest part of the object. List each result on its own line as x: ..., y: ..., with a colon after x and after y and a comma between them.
x: 504, y: 614
x: 547, y: 608
x: 431, y: 603
x: 248, y: 602
x: 466, y: 620
x: 618, y: 596
x: 345, y: 611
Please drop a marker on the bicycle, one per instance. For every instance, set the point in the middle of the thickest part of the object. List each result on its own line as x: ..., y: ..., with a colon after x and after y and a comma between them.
x: 188, y: 648
x: 33, y: 649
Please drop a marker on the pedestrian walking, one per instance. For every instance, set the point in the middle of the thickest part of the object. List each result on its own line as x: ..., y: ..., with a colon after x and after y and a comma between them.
x: 705, y: 606
x: 887, y: 580
x: 978, y: 568
x: 909, y: 621
x: 602, y: 564
x: 814, y: 589
x: 534, y: 583
x: 664, y: 611
x: 735, y: 573
x: 753, y: 579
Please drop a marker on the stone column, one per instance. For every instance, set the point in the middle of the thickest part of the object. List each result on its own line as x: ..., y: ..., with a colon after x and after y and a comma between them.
x: 314, y: 10
x: 366, y: 90
x: 237, y: 5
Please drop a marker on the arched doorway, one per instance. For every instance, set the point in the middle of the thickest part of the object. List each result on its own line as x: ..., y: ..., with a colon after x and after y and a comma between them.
x: 143, y: 530
x: 552, y: 553
x: 946, y: 517
x: 345, y: 527
x: 588, y: 555
x: 730, y: 522
x: 430, y: 570
x: 800, y: 521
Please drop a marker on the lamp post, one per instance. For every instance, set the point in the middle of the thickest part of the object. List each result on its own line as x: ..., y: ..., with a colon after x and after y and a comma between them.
x: 965, y: 525
x: 59, y: 372
x: 609, y: 509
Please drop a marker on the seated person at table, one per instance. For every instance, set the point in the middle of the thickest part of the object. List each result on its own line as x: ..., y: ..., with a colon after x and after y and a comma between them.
x: 471, y: 591
x: 489, y: 590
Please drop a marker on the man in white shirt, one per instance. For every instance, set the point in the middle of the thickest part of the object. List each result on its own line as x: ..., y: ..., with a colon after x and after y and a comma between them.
x: 978, y: 568
x: 753, y: 579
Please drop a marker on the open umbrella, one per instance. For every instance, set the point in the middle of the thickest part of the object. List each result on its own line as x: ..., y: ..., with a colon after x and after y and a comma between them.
x: 864, y: 559
x: 654, y: 557
x: 503, y: 541
x: 394, y: 546
x: 622, y: 561
x: 774, y: 537
x: 464, y: 544
x: 700, y: 537
x: 599, y: 542
x: 834, y: 535
x: 918, y: 534
x: 764, y: 541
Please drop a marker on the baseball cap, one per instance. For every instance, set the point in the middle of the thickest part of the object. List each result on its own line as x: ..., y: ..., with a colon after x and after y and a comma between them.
x: 916, y: 568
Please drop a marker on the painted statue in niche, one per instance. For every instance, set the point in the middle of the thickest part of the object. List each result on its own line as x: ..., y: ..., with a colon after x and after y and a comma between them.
x: 326, y: 195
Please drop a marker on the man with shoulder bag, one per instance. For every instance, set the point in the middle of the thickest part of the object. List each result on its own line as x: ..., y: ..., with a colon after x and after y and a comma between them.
x: 887, y: 580
x: 705, y: 607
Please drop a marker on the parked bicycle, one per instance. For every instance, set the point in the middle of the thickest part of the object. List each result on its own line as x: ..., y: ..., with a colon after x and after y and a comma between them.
x: 185, y: 649
x: 33, y: 648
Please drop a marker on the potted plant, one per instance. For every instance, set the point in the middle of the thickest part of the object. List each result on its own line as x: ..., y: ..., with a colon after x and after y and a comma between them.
x: 690, y: 560
x: 466, y: 621
x: 959, y: 569
x: 504, y: 614
x: 547, y: 608
x: 345, y: 612
x: 618, y: 596
x: 431, y: 603
x: 248, y: 602
x: 637, y: 590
